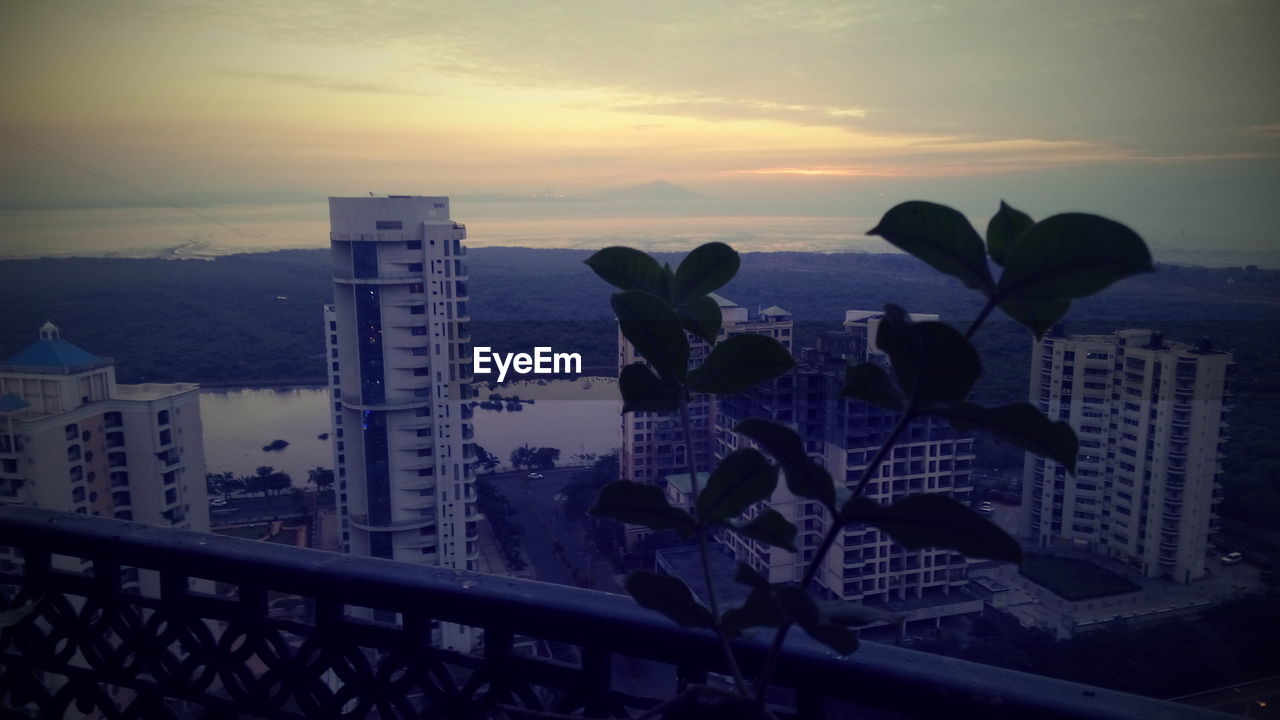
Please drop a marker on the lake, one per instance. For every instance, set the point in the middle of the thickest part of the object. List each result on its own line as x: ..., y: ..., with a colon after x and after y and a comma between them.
x: 581, y: 416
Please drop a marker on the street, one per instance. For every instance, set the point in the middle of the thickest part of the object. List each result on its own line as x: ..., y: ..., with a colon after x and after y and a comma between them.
x: 557, y: 549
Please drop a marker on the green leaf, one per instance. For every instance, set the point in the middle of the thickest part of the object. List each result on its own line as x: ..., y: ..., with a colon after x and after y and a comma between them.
x: 1072, y: 255
x: 748, y: 576
x: 1004, y: 230
x: 950, y: 365
x: 644, y: 391
x: 896, y: 338
x: 799, y: 607
x: 870, y: 383
x: 1039, y: 315
x: 701, y: 316
x: 629, y: 269
x: 940, y: 236
x: 805, y: 478
x: 770, y: 528
x: 742, y: 478
x: 705, y: 270
x: 934, y: 363
x: 641, y: 504
x: 669, y: 596
x: 932, y: 520
x: 740, y: 363
x: 758, y: 610
x: 1021, y: 424
x: 856, y: 614
x: 653, y: 327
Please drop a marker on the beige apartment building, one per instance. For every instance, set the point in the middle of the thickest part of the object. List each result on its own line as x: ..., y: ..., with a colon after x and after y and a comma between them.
x: 1151, y: 418
x: 72, y: 439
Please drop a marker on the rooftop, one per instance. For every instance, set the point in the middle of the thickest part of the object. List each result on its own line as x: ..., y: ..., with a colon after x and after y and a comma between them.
x: 53, y: 354
x: 681, y: 481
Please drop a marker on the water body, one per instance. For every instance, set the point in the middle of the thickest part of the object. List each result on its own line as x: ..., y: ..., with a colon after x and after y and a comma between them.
x: 206, y: 232
x: 574, y: 416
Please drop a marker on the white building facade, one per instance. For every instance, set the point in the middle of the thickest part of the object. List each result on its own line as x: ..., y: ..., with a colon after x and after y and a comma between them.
x: 72, y: 439
x: 1151, y: 419
x: 400, y: 368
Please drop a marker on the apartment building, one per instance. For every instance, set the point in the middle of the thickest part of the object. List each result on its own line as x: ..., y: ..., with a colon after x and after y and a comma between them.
x: 74, y: 440
x: 863, y: 565
x: 1151, y: 418
x: 400, y: 366
x: 653, y: 443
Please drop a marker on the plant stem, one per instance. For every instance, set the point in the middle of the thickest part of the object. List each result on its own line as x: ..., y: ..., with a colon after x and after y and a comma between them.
x: 729, y: 657
x: 977, y: 322
x: 828, y: 539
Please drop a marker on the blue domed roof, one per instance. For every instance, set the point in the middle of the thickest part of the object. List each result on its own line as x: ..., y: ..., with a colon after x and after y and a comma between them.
x: 51, y: 352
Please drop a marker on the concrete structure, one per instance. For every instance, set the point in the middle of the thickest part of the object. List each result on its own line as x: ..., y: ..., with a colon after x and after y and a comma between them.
x: 400, y: 359
x: 653, y: 444
x: 1150, y: 416
x: 843, y: 435
x: 71, y: 439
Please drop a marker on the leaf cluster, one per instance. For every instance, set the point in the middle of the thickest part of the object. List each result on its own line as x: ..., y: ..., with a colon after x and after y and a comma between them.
x: 931, y: 369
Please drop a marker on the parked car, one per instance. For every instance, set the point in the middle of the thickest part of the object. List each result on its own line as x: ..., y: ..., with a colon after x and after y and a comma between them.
x: 986, y: 508
x: 1232, y: 558
x: 535, y: 476
x: 218, y: 502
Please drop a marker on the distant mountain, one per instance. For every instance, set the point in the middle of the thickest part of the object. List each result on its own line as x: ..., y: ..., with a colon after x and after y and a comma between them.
x: 656, y: 190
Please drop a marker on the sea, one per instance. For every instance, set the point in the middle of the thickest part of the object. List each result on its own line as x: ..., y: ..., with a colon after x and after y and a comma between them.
x: 212, y: 231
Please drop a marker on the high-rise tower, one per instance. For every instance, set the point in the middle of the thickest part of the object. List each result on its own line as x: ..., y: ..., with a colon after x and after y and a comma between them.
x: 400, y: 361
x: 1150, y: 416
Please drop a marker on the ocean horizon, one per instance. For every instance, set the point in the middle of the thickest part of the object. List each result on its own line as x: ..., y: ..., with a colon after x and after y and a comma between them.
x: 213, y: 231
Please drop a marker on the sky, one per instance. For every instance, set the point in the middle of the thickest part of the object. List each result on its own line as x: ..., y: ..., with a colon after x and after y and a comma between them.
x: 1165, y: 113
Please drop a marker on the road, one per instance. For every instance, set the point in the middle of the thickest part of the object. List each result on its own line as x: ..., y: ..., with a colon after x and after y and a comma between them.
x: 557, y: 549
x: 256, y: 508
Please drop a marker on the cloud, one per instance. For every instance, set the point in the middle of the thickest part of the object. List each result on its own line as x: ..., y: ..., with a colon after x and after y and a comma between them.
x: 322, y: 82
x: 719, y: 109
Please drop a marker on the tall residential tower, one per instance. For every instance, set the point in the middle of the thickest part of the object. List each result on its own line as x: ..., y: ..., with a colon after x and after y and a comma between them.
x: 1150, y: 416
x: 400, y: 361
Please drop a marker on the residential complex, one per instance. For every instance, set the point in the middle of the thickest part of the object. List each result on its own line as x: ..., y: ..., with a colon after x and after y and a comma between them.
x: 74, y: 440
x: 400, y: 360
x: 653, y: 444
x: 842, y: 435
x: 1151, y: 418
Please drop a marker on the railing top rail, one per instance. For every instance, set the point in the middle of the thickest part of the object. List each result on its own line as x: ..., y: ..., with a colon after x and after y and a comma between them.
x: 879, y: 675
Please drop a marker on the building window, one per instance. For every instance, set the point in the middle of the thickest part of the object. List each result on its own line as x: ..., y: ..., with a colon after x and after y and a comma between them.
x: 413, y: 245
x: 113, y: 419
x: 72, y: 431
x: 419, y: 351
x: 417, y: 309
x: 389, y: 225
x: 417, y: 288
x: 415, y: 267
x: 417, y: 331
x: 166, y: 437
x: 77, y: 494
x: 73, y: 453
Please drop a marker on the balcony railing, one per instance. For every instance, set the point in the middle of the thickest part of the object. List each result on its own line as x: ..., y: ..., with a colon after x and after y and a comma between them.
x: 231, y: 647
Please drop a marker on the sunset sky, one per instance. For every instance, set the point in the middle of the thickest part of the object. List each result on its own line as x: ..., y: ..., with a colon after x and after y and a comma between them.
x: 1171, y: 106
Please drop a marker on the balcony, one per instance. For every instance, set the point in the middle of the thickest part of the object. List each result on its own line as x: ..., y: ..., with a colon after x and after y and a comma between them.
x: 111, y: 652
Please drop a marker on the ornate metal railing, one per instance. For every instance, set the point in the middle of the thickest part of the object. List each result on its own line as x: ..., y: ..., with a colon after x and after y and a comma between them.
x: 247, y: 629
